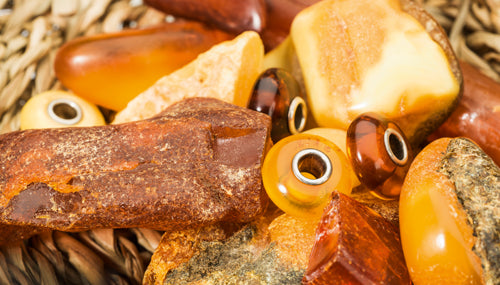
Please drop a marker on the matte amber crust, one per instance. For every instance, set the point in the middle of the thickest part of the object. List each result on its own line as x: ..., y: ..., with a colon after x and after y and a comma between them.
x: 195, y: 164
x: 354, y: 245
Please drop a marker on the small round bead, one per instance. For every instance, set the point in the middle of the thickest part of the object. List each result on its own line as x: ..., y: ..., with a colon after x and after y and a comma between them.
x: 301, y: 171
x: 277, y: 94
x: 379, y: 154
x: 57, y: 109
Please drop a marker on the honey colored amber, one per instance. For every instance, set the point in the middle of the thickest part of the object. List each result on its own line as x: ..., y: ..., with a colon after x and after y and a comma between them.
x: 301, y: 171
x: 277, y: 94
x: 111, y: 69
x: 379, y: 154
x: 355, y: 245
x: 437, y: 239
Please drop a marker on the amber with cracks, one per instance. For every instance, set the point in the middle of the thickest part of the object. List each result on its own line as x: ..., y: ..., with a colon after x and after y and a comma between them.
x: 379, y: 154
x: 355, y: 245
x: 277, y: 94
x: 111, y: 69
x: 301, y: 171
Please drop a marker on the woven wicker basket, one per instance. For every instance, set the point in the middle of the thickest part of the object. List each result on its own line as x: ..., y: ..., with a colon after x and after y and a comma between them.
x: 31, y: 32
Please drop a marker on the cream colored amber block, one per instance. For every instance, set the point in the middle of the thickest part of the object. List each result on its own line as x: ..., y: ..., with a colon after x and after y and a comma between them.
x: 371, y: 56
x: 227, y: 72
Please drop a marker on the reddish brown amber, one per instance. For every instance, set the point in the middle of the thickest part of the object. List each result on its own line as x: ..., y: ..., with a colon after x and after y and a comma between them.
x: 111, y: 69
x: 379, y: 153
x: 233, y: 16
x: 354, y: 245
x: 277, y: 94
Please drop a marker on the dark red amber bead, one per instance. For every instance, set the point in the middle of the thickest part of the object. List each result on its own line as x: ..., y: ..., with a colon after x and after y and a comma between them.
x: 379, y: 153
x: 277, y: 94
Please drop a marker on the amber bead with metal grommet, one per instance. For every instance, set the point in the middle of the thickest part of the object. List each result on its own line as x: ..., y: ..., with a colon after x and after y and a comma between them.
x: 301, y: 171
x: 277, y: 94
x: 379, y: 154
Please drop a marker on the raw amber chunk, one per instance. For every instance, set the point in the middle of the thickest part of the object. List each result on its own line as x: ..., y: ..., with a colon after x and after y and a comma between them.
x: 111, y: 69
x: 301, y: 171
x: 379, y: 153
x: 277, y: 94
x: 354, y: 245
x: 449, y: 215
x: 197, y: 163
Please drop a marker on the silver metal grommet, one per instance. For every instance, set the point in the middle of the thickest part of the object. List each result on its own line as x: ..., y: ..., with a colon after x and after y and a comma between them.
x: 297, y: 115
x: 65, y: 111
x: 396, y: 147
x: 314, y: 162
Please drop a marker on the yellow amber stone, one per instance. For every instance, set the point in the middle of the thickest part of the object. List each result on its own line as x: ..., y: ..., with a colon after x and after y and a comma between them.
x: 301, y: 171
x: 437, y: 241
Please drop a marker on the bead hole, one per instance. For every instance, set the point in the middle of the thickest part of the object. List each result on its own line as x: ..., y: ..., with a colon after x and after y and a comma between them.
x: 396, y: 147
x: 311, y: 166
x: 297, y: 115
x: 64, y: 111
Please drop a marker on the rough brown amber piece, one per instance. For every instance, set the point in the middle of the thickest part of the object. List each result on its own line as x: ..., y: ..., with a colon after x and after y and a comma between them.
x: 233, y: 16
x: 111, y: 69
x: 196, y: 163
x: 379, y: 152
x: 354, y: 245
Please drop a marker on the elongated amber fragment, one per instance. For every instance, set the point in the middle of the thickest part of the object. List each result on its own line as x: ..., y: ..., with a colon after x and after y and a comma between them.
x: 111, y: 69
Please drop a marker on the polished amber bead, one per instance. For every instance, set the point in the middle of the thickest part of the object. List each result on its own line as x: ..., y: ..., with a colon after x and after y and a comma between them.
x: 58, y: 109
x: 379, y: 154
x: 301, y: 171
x: 111, y: 69
x: 277, y: 94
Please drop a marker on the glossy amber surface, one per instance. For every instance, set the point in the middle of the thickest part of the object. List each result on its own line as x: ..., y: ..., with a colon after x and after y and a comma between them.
x: 111, y: 69
x: 355, y: 245
x: 379, y: 154
x: 277, y: 94
x: 58, y: 109
x: 305, y: 194
x: 437, y: 239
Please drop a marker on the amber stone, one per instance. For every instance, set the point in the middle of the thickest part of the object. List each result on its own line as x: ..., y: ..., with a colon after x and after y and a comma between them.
x: 232, y: 16
x: 111, y: 69
x: 355, y: 245
x: 379, y: 153
x: 277, y: 94
x: 301, y: 171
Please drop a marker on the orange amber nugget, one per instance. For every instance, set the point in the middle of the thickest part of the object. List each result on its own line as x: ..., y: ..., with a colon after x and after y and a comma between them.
x: 111, y: 69
x: 355, y: 245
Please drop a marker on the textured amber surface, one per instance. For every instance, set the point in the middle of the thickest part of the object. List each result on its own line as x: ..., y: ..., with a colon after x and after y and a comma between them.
x: 288, y: 191
x: 197, y: 163
x: 354, y: 245
x: 273, y: 94
x: 111, y: 69
x: 449, y: 217
x: 379, y: 153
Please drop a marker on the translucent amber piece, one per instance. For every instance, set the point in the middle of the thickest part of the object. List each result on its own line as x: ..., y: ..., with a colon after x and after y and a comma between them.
x: 449, y: 215
x: 277, y: 94
x: 301, y: 171
x: 379, y: 154
x: 57, y: 109
x: 111, y: 69
x: 354, y: 245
